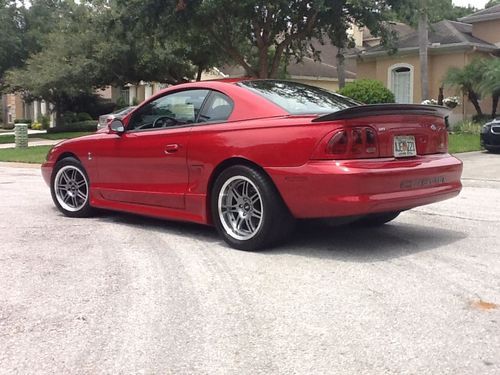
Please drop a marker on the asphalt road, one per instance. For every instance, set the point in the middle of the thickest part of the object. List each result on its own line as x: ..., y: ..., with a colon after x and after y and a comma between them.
x: 121, y: 294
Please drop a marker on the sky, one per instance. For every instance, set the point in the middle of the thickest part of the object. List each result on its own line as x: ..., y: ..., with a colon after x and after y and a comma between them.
x: 476, y: 3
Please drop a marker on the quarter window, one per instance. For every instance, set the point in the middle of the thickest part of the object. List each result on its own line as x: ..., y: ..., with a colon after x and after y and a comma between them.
x: 218, y: 108
x: 179, y: 108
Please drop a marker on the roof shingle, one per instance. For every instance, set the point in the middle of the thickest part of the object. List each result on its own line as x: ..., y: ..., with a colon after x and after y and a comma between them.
x: 441, y: 34
x: 491, y: 13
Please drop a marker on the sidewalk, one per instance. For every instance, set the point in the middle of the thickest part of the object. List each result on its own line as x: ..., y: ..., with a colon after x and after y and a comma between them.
x: 34, y: 142
x: 30, y: 131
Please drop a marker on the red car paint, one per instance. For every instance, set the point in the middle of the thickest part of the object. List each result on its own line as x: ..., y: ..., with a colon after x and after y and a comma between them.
x: 168, y: 172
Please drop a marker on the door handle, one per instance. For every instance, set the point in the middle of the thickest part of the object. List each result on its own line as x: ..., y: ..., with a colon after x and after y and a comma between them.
x: 172, y: 148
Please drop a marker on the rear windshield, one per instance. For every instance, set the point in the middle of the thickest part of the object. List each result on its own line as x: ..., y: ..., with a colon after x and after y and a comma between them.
x: 297, y: 98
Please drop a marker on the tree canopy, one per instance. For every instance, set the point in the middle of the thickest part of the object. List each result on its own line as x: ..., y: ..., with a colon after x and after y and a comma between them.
x: 12, y: 52
x: 59, y: 49
x: 437, y: 10
x: 260, y: 35
x: 491, y: 3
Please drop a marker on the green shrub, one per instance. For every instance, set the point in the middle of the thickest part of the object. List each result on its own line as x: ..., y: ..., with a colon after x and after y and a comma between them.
x: 482, y: 119
x: 121, y: 103
x: 83, y: 116
x: 468, y: 127
x: 44, y: 120
x: 36, y: 126
x: 368, y: 91
x: 83, y: 126
x: 23, y: 121
x: 100, y: 107
x: 69, y: 117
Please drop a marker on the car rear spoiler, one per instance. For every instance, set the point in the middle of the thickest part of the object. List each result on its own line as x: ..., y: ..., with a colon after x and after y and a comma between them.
x: 386, y: 109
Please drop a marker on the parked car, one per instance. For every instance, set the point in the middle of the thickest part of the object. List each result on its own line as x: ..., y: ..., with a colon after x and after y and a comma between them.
x: 104, y: 120
x: 490, y: 136
x: 251, y: 156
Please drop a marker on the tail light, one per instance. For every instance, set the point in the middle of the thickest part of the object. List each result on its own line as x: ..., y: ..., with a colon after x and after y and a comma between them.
x: 442, y: 146
x: 348, y: 143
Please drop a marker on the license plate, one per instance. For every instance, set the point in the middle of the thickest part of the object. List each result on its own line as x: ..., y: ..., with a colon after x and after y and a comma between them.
x: 404, y: 145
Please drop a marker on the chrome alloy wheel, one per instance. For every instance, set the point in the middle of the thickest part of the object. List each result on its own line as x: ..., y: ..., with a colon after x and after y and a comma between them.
x: 240, y: 208
x: 71, y: 188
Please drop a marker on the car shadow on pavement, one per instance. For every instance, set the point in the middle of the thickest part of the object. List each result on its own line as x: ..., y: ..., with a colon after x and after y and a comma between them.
x: 316, y: 239
x: 198, y: 231
x: 366, y: 244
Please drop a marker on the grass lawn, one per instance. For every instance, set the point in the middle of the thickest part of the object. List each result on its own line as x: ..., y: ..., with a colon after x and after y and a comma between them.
x: 463, y: 143
x: 27, y: 155
x: 55, y: 136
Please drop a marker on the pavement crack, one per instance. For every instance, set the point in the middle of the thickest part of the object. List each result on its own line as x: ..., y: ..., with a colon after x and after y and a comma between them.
x: 457, y: 217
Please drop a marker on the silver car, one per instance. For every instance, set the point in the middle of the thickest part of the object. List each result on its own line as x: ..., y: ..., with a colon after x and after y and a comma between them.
x: 104, y: 120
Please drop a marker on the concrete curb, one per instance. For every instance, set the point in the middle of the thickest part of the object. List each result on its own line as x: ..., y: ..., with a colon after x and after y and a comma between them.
x: 34, y: 142
x: 15, y: 164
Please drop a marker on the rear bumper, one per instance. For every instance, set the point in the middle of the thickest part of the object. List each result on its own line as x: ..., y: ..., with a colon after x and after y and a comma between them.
x: 356, y: 187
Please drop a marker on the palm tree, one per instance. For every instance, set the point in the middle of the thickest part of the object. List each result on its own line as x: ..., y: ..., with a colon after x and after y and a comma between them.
x: 491, y: 83
x: 468, y: 80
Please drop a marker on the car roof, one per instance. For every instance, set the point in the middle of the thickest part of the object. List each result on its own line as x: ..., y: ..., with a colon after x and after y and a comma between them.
x: 247, y: 104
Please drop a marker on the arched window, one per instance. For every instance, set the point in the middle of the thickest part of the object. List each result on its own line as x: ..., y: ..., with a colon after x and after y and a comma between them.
x: 400, y: 77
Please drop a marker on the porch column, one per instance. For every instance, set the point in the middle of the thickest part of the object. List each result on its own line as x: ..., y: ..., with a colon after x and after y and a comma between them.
x: 132, y: 94
x: 43, y: 108
x: 148, y: 91
x: 36, y: 113
x: 52, y: 116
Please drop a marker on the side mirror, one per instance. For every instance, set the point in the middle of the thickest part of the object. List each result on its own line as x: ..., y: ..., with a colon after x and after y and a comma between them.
x: 116, y: 126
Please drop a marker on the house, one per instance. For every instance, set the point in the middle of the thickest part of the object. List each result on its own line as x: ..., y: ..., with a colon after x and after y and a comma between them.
x: 321, y: 73
x: 15, y: 108
x: 451, y: 44
x: 131, y: 94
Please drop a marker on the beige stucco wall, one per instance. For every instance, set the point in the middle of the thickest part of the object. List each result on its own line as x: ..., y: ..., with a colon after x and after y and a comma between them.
x: 19, y: 102
x: 141, y: 93
x: 328, y: 85
x: 487, y: 30
x: 367, y: 70
x: 379, y: 70
x: 438, y: 66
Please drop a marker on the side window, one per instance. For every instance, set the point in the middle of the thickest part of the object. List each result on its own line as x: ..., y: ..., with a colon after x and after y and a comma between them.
x: 218, y: 108
x: 179, y: 108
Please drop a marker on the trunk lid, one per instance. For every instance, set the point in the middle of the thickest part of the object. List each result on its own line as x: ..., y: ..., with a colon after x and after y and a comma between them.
x: 398, y: 124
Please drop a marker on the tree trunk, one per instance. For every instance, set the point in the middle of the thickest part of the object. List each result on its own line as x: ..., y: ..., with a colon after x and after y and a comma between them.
x: 423, y: 37
x: 496, y: 97
x: 59, y: 118
x: 199, y: 73
x: 441, y: 96
x: 475, y: 102
x: 341, y: 68
x: 263, y: 63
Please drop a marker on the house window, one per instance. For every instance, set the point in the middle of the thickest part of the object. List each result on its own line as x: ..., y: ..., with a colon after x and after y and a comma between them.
x: 401, y: 82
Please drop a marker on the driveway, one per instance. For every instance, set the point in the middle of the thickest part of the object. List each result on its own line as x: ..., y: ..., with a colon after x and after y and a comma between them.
x: 121, y: 294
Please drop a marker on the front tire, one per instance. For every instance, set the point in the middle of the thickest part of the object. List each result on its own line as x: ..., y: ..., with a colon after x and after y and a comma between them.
x: 247, y: 210
x: 70, y: 188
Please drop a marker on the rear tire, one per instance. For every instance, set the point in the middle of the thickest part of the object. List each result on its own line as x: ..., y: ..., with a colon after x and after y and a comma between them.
x: 70, y: 188
x: 374, y: 220
x: 247, y: 210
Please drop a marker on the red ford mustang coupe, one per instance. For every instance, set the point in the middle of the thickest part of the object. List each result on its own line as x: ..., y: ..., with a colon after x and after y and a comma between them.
x: 250, y: 156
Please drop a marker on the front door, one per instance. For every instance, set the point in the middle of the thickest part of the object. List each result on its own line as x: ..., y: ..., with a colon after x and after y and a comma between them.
x: 401, y: 85
x: 147, y: 164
